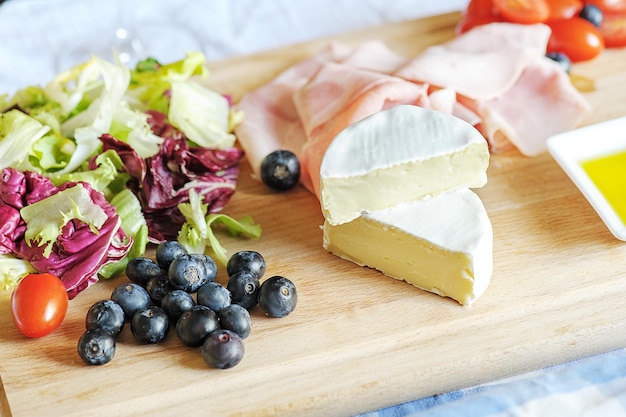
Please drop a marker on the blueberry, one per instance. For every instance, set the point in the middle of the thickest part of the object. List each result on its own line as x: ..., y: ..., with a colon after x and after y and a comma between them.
x: 140, y: 270
x: 277, y: 296
x: 561, y: 59
x: 236, y: 319
x: 190, y: 272
x: 106, y: 315
x: 195, y: 324
x: 131, y: 297
x: 167, y: 251
x: 157, y: 287
x: 222, y: 349
x: 280, y: 170
x: 592, y: 13
x: 96, y: 347
x: 244, y: 287
x: 250, y: 261
x: 150, y: 325
x: 176, y: 302
x: 213, y: 295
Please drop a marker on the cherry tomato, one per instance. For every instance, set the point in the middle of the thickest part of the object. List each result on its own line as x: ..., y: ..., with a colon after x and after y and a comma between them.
x: 39, y: 304
x: 609, y: 6
x: 576, y: 38
x: 523, y: 11
x: 468, y: 22
x: 480, y: 8
x: 613, y: 30
x: 564, y: 9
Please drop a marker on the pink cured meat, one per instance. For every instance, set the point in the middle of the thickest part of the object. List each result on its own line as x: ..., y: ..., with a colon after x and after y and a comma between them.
x: 555, y: 103
x: 339, y: 95
x: 271, y: 121
x: 499, y: 70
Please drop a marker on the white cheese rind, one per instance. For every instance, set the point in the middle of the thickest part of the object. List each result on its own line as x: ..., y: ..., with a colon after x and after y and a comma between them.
x: 441, y: 244
x: 402, y: 154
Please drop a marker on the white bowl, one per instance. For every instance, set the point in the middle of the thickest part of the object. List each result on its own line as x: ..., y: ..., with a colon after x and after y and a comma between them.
x: 571, y: 149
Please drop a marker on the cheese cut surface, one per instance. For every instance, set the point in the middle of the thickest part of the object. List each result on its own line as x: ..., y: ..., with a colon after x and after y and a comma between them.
x: 397, y: 155
x: 441, y: 244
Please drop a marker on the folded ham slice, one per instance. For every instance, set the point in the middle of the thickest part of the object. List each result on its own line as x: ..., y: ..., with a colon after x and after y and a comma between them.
x: 499, y: 71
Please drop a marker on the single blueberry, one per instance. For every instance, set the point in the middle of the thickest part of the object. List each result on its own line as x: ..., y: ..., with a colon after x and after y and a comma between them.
x: 592, y: 13
x: 195, y: 324
x: 167, y: 251
x: 190, y: 272
x: 96, y: 347
x: 213, y: 295
x: 237, y: 319
x: 150, y: 325
x: 277, y: 296
x: 561, y: 59
x: 280, y: 170
x: 131, y: 297
x: 175, y: 303
x: 157, y: 287
x: 222, y: 349
x: 247, y: 260
x: 244, y: 287
x: 106, y: 315
x: 141, y: 270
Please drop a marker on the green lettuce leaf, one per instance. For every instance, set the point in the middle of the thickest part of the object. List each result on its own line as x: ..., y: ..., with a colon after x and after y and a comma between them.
x: 134, y: 224
x: 150, y: 80
x: 87, y: 125
x: 12, y: 270
x: 197, y: 234
x: 45, y: 219
x: 18, y: 133
x: 201, y: 114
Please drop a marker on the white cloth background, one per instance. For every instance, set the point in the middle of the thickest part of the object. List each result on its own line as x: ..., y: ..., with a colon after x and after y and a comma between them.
x: 39, y: 37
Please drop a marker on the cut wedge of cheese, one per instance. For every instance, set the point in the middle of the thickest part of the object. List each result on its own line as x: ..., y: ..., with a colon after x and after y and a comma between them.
x: 441, y: 244
x: 397, y: 155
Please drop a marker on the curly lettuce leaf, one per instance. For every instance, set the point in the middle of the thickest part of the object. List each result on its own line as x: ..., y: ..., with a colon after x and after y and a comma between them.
x: 131, y: 126
x: 46, y: 218
x: 197, y: 235
x: 134, y: 225
x: 150, y: 80
x: 86, y: 126
x: 18, y: 133
x: 201, y: 114
x: 12, y: 270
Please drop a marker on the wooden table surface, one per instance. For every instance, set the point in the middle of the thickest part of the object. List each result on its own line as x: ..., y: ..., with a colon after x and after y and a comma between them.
x: 359, y: 341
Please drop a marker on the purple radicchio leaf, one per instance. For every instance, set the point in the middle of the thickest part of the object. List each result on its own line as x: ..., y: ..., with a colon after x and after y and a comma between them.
x: 78, y: 253
x: 172, y: 172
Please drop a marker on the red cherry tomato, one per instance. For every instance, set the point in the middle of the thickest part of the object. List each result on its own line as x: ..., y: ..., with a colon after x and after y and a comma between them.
x: 523, y: 11
x: 609, y: 6
x: 576, y: 38
x: 39, y: 304
x: 480, y: 8
x: 564, y: 9
x: 613, y: 30
x: 468, y: 22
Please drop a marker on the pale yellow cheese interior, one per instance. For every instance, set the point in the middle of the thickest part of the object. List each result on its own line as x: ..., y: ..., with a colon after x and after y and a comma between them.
x: 345, y: 198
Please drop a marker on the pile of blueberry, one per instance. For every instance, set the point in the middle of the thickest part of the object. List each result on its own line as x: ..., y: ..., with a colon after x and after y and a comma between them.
x: 160, y: 295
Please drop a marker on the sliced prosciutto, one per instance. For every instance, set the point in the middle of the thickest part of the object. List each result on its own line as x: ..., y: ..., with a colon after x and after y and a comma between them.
x: 500, y: 73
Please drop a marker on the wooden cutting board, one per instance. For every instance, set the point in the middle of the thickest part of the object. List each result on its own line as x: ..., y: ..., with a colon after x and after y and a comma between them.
x: 360, y: 341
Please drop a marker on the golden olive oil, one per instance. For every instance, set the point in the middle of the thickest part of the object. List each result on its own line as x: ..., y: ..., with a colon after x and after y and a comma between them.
x: 608, y: 173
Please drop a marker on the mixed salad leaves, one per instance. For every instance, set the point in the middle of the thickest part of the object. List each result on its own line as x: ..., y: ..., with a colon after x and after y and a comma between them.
x: 105, y: 159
